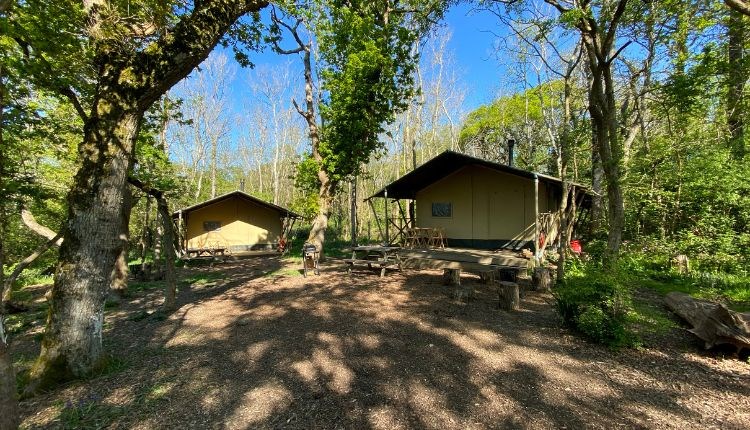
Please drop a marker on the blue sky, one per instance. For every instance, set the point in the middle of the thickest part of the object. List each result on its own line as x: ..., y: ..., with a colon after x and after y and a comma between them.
x: 471, y: 44
x: 473, y: 37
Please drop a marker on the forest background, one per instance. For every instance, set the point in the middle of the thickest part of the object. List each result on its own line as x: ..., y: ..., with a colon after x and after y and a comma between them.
x: 674, y: 90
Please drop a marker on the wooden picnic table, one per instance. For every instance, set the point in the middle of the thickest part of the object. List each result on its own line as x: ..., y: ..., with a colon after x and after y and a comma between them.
x: 206, y: 252
x: 383, y: 256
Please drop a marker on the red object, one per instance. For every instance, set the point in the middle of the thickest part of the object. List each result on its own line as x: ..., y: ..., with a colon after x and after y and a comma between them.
x: 575, y: 245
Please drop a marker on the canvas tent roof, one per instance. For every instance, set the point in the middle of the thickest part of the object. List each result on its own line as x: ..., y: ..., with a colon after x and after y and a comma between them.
x: 407, y: 186
x: 241, y: 195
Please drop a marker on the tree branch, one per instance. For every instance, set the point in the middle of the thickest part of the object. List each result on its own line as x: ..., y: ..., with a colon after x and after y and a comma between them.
x: 613, y: 57
x: 168, y: 59
x: 153, y: 192
x: 30, y: 222
x: 8, y: 283
x: 741, y: 6
x: 68, y: 92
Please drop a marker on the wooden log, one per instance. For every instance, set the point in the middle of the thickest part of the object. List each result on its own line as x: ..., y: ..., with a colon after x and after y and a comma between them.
x: 452, y: 276
x: 525, y: 285
x: 508, y: 296
x: 463, y: 292
x: 713, y: 323
x: 487, y: 277
x: 541, y: 279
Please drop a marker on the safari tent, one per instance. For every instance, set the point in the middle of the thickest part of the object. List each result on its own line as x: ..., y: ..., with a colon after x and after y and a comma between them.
x: 236, y: 222
x: 477, y: 203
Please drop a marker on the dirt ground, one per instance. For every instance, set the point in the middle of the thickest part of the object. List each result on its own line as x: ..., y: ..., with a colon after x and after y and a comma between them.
x: 263, y: 347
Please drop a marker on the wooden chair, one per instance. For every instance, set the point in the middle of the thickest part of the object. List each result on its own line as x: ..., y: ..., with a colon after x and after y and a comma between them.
x: 436, y: 238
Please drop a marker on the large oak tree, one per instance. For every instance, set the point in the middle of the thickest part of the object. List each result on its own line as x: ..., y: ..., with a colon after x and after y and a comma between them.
x: 112, y: 61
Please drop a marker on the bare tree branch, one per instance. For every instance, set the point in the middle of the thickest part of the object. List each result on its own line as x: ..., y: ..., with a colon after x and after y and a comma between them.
x: 28, y: 219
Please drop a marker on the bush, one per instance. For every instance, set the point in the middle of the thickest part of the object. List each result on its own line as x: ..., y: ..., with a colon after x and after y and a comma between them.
x: 597, y: 305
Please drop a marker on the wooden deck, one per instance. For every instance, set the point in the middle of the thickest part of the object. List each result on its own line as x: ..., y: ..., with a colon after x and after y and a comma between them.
x: 472, y: 260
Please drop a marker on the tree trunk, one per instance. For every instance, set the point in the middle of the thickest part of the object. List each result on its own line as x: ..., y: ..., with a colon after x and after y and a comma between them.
x: 72, y: 344
x: 603, y: 109
x: 541, y: 279
x: 144, y: 237
x: 9, y: 418
x: 120, y: 271
x: 597, y: 186
x: 170, y: 276
x: 129, y: 81
x: 738, y: 71
x: 9, y: 412
x: 320, y: 223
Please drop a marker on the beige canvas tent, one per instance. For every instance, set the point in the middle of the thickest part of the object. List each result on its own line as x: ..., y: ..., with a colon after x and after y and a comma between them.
x: 478, y: 203
x: 236, y: 221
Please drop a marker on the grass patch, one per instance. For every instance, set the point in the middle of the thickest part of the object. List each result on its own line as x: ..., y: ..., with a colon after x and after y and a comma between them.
x: 23, y: 321
x: 88, y: 412
x: 647, y: 318
x: 284, y: 271
x: 109, y: 366
x: 333, y: 248
x: 203, y: 278
x: 732, y: 290
x: 140, y: 286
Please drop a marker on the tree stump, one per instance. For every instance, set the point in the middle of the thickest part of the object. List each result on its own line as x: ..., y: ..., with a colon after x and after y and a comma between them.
x: 487, y: 277
x: 452, y: 276
x: 682, y: 264
x: 524, y: 285
x: 509, y: 296
x: 463, y: 292
x: 541, y: 279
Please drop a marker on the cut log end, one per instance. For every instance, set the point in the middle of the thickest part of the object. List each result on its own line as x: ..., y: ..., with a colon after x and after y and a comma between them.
x: 509, y: 297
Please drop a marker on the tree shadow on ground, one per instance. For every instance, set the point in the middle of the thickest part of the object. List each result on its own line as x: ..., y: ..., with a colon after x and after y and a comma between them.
x: 334, y: 351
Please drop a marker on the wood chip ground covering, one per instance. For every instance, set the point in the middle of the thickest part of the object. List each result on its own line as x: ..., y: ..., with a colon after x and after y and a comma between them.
x: 263, y: 347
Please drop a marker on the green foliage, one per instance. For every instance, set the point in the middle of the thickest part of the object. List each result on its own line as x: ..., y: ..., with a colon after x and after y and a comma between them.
x: 596, y: 304
x: 521, y: 117
x: 366, y: 67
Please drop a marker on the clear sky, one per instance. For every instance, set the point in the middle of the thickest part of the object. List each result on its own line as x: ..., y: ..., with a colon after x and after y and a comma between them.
x: 473, y: 38
x: 472, y: 45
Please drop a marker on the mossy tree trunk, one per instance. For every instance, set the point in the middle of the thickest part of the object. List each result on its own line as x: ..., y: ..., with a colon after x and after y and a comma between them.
x: 130, y: 77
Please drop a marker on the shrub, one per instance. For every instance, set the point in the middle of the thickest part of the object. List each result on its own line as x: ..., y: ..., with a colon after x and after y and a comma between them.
x: 597, y: 305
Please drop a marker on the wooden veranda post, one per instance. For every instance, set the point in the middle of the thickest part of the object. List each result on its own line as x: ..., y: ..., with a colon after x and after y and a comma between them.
x: 353, y: 209
x: 181, y: 234
x: 536, y: 219
x: 387, y: 236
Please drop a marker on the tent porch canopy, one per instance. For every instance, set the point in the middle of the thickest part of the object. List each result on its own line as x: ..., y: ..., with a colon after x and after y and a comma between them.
x: 448, y: 162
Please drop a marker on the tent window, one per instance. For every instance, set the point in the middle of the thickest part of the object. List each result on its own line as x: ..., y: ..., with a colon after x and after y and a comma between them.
x: 442, y: 210
x: 211, y: 225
